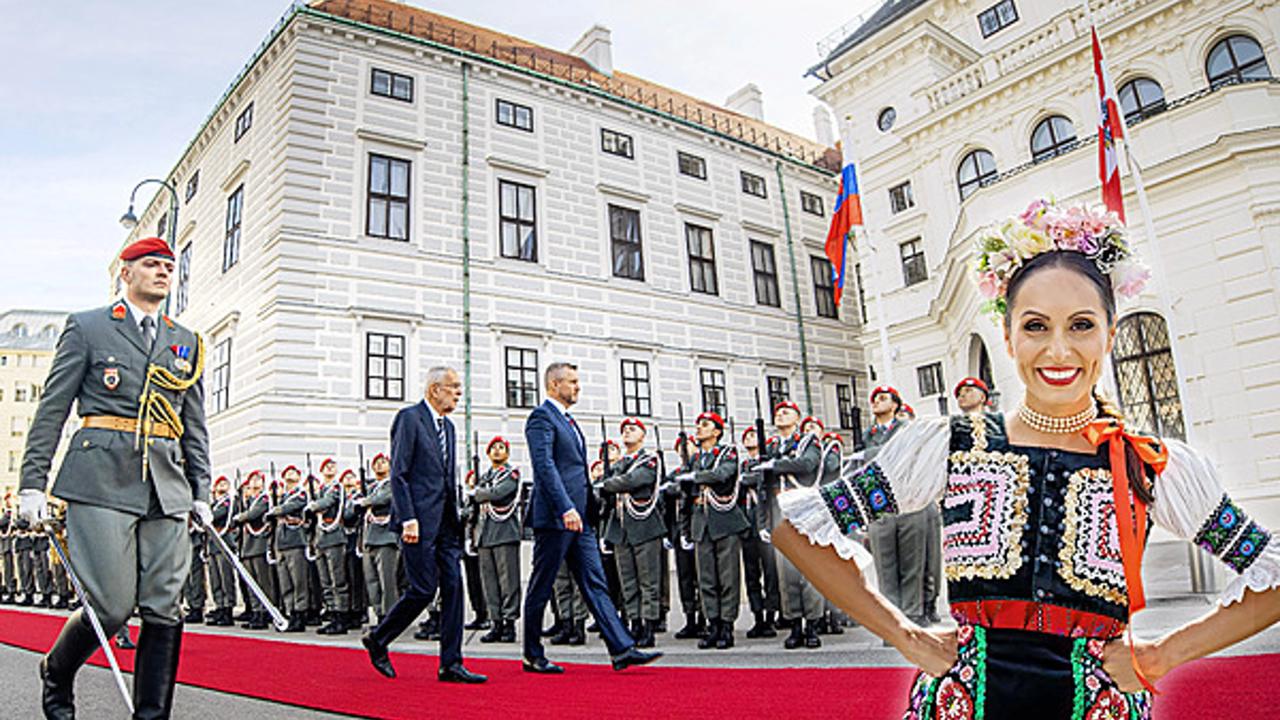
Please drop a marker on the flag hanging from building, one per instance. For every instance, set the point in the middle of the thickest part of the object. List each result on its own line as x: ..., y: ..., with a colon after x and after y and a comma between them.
x: 846, y: 215
x: 1110, y: 131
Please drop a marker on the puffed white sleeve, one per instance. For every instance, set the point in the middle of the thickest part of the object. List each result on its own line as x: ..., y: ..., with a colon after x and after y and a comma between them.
x: 909, y: 473
x: 1190, y: 502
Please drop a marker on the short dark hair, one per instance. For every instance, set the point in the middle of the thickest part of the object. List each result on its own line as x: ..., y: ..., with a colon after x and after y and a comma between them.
x: 554, y: 370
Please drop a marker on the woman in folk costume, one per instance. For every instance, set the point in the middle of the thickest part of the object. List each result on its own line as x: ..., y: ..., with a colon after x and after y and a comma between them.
x: 1046, y: 512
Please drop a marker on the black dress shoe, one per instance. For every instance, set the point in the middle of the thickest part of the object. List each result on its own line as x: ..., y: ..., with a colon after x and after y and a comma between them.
x: 632, y: 656
x: 478, y: 624
x: 457, y: 673
x: 378, y: 656
x: 541, y: 666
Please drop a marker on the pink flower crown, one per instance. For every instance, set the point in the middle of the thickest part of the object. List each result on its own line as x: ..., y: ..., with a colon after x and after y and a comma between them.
x: 1097, y: 233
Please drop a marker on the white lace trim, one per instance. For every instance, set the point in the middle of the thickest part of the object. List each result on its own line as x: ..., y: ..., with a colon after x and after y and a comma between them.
x: 1261, y: 576
x: 807, y: 513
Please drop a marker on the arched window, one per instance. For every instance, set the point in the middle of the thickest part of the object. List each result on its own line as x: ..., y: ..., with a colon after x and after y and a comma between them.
x: 1141, y: 98
x: 19, y: 330
x: 977, y: 169
x: 1236, y: 59
x: 1145, y: 376
x: 1052, y: 137
x: 50, y: 331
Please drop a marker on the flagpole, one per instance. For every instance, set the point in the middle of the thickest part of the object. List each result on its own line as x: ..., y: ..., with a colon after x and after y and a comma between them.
x: 1154, y: 256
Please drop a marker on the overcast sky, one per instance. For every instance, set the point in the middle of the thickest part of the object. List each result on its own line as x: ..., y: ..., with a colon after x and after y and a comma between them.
x: 96, y: 96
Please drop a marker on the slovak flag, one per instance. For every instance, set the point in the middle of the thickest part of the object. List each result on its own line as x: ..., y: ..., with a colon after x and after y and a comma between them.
x: 1110, y: 131
x: 846, y: 216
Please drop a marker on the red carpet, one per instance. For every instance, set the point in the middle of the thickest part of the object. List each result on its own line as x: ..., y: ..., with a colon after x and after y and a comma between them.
x: 341, y: 681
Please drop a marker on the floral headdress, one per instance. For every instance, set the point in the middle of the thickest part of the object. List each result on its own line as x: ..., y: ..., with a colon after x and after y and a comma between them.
x: 1092, y: 231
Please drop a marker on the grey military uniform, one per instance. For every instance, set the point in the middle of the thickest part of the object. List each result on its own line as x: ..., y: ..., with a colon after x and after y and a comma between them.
x: 717, y: 525
x: 256, y: 542
x: 6, y: 554
x: 291, y: 545
x: 636, y: 529
x: 498, y: 538
x: 381, y: 549
x: 760, y: 572
x: 125, y: 528
x: 222, y: 574
x: 797, y: 460
x: 193, y: 591
x: 331, y: 548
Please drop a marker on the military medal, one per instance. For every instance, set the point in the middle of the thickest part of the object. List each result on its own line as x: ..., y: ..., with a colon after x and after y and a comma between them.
x: 181, y: 355
x: 111, y: 378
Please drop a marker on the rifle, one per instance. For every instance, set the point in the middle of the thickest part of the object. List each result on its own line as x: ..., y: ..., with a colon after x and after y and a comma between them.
x: 364, y: 480
x: 684, y: 446
x: 471, y: 509
x: 273, y: 554
x: 762, y: 446
x: 604, y: 445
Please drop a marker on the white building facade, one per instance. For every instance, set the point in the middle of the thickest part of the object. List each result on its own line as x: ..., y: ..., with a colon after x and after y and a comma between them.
x: 960, y: 114
x: 380, y: 178
x: 27, y: 342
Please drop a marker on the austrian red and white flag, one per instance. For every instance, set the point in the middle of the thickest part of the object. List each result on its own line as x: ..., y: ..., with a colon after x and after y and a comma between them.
x: 1110, y: 131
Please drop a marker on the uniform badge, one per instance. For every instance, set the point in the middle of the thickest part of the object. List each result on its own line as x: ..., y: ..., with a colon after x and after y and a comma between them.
x: 118, y: 311
x: 181, y: 361
x: 111, y: 378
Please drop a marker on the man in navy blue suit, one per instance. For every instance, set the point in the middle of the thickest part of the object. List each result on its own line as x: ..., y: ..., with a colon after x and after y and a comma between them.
x: 558, y: 452
x: 425, y: 511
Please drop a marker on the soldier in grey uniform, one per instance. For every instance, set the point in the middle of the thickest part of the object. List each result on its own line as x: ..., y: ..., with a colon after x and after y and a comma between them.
x: 135, y: 470
x: 6, y: 550
x: 222, y: 574
x: 498, y: 536
x: 352, y: 527
x: 760, y: 572
x: 636, y: 530
x: 331, y: 549
x: 291, y: 547
x: 193, y: 591
x: 41, y: 577
x: 24, y: 579
x: 678, y: 536
x: 256, y: 548
x: 717, y: 525
x: 793, y: 462
x: 381, y: 551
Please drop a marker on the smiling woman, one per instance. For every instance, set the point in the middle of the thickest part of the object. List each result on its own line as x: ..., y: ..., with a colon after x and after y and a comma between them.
x: 1045, y: 513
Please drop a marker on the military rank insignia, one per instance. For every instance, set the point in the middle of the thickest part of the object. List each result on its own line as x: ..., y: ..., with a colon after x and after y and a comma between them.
x: 118, y: 311
x: 182, y: 357
x: 111, y: 378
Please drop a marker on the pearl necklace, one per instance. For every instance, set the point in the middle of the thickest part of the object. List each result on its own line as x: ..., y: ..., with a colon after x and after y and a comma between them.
x: 1058, y: 425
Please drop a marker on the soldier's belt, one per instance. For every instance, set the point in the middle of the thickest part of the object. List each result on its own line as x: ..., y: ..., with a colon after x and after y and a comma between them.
x: 129, y: 425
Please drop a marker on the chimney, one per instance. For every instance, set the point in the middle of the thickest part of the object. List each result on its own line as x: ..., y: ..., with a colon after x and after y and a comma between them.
x: 822, y: 128
x: 596, y: 47
x: 748, y: 101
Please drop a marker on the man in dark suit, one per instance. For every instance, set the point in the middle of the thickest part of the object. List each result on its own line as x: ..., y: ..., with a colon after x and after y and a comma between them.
x: 558, y: 452
x: 425, y: 511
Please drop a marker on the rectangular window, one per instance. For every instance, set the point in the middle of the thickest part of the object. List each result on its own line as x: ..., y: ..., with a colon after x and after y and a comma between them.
x: 13, y: 461
x: 753, y: 184
x: 616, y: 143
x: 517, y: 220
x: 516, y: 116
x: 766, y: 274
x: 779, y: 390
x: 811, y: 203
x: 691, y: 165
x: 624, y: 234
x: 929, y: 378
x: 231, y: 241
x: 824, y: 287
x: 221, y: 395
x: 702, y: 259
x: 20, y: 392
x: 522, y: 378
x: 162, y: 225
x: 388, y: 198
x: 384, y: 366
x: 183, y: 293
x: 16, y: 426
x: 635, y: 388
x: 997, y: 17
x: 845, y: 406
x: 900, y: 197
x: 244, y: 122
x: 193, y: 184
x: 714, y: 397
x: 393, y: 85
x: 913, y: 268
x: 862, y: 294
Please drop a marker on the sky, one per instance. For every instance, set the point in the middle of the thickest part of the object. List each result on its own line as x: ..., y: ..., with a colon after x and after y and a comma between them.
x: 98, y: 95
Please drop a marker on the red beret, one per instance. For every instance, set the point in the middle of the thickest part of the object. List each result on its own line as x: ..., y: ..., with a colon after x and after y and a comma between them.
x: 326, y: 461
x: 632, y: 421
x: 749, y: 429
x: 972, y: 382
x: 810, y: 419
x: 287, y: 469
x: 881, y: 389
x: 221, y: 478
x: 713, y: 417
x: 497, y: 439
x: 251, y: 475
x: 379, y: 455
x: 833, y: 437
x: 786, y: 404
x: 147, y: 246
x: 598, y: 462
x: 908, y: 410
x: 346, y: 472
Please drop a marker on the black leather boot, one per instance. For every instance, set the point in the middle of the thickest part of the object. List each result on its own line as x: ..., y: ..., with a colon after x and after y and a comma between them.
x: 762, y: 628
x: 508, y: 632
x: 155, y: 670
x: 72, y: 649
x: 645, y: 639
x: 709, y: 641
x: 811, y: 639
x: 495, y: 633
x: 725, y: 641
x: 796, y: 638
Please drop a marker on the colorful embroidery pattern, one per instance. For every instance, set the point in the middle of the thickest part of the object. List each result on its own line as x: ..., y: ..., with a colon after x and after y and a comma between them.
x: 1247, y: 548
x: 961, y: 693
x: 854, y: 502
x: 1096, y: 694
x: 1221, y: 526
x: 1089, y: 557
x: 986, y: 509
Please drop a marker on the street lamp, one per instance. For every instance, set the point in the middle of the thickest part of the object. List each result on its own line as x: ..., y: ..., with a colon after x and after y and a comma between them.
x: 129, y: 221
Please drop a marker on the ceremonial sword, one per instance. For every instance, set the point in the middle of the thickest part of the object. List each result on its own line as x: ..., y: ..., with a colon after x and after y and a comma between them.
x: 277, y: 619
x: 89, y: 613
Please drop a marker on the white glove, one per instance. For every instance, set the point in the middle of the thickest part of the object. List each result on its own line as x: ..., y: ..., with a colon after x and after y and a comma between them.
x: 685, y: 544
x: 33, y: 506
x: 684, y: 477
x: 666, y: 544
x: 201, y: 510
x: 765, y: 536
x: 766, y: 465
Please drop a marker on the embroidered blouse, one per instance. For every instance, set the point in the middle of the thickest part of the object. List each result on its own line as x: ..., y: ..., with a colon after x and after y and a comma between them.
x: 1029, y: 534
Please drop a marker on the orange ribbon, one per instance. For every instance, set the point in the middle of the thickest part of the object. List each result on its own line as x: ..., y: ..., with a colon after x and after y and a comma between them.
x: 1131, y: 511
